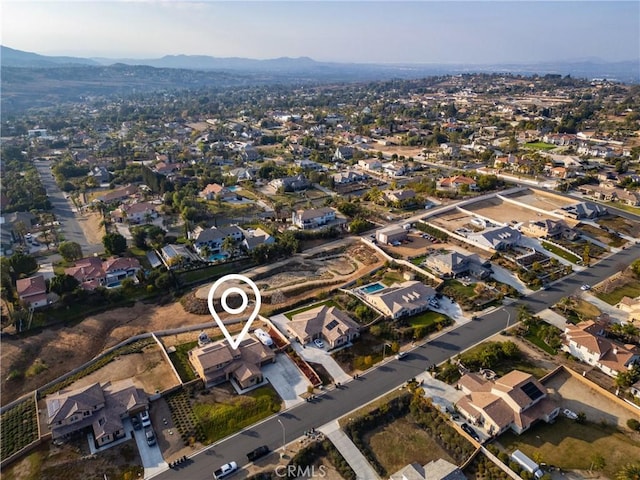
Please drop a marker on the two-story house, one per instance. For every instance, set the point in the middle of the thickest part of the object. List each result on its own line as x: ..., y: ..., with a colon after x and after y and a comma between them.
x: 217, y: 362
x: 516, y: 400
x: 586, y: 341
x: 312, y: 218
x: 290, y: 184
x: 33, y: 291
x: 213, y: 191
x: 213, y: 238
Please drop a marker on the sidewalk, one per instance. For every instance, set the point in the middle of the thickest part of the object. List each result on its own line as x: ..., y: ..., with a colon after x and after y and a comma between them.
x: 353, y: 456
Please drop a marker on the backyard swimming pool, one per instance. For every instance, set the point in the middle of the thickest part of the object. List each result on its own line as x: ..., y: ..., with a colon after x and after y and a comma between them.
x: 374, y: 287
x: 217, y: 257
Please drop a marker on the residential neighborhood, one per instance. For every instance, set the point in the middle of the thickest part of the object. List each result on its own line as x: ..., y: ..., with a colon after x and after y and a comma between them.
x: 452, y: 261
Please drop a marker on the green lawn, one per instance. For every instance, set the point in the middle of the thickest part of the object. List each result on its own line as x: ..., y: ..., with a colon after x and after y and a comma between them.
x: 221, y: 419
x: 540, y: 146
x: 180, y: 359
x: 533, y: 337
x: 426, y: 318
x: 328, y: 303
x: 210, y: 273
x: 570, y: 445
x: 390, y: 278
x: 629, y: 290
x: 418, y: 260
x: 462, y: 291
x: 561, y: 253
x: 625, y: 207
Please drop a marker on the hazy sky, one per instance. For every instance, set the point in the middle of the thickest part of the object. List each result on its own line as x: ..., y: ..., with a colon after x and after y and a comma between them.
x: 384, y: 32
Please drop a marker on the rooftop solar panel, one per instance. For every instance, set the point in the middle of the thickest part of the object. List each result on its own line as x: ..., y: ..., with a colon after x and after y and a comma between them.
x: 532, y: 391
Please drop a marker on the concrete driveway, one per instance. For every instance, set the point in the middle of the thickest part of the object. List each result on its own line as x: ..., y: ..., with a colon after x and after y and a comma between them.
x: 311, y: 353
x: 451, y: 309
x: 286, y: 379
x: 503, y: 275
x: 151, y: 456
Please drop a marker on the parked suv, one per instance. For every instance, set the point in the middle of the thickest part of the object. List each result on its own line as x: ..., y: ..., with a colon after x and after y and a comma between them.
x: 150, y: 436
x: 144, y: 418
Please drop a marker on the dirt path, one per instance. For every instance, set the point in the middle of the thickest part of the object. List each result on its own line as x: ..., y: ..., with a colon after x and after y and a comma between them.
x: 61, y: 349
x: 90, y: 224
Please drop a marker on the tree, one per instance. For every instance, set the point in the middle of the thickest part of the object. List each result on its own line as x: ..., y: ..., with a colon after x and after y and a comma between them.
x: 114, y: 243
x: 228, y: 245
x: 586, y: 257
x: 70, y: 251
x: 23, y: 264
x: 635, y: 268
x: 64, y: 283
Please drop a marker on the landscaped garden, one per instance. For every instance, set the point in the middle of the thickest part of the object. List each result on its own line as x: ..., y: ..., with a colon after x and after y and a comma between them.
x: 615, y: 288
x: 18, y: 427
x: 205, y: 421
x: 561, y: 252
x: 180, y: 360
x: 569, y: 444
x: 576, y: 310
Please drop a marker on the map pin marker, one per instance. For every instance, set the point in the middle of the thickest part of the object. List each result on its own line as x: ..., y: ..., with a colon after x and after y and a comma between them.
x: 234, y: 311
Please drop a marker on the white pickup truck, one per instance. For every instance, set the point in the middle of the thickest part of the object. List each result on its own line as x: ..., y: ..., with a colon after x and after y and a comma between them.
x: 225, y: 470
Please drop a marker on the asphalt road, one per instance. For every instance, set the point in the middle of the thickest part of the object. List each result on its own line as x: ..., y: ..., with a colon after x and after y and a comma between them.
x: 337, y: 403
x: 62, y: 209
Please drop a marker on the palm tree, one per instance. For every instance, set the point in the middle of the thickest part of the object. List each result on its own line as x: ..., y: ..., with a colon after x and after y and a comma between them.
x: 205, y: 252
x: 630, y: 471
x: 228, y: 245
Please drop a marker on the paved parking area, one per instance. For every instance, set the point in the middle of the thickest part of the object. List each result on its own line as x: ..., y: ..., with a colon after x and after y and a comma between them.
x: 441, y: 394
x: 503, y: 275
x: 451, y: 309
x: 286, y: 379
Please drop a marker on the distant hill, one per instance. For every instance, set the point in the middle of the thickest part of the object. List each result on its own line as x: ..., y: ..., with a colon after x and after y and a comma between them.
x: 205, y: 62
x: 10, y: 57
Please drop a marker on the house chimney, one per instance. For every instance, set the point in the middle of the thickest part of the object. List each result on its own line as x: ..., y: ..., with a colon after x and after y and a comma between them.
x: 615, y: 350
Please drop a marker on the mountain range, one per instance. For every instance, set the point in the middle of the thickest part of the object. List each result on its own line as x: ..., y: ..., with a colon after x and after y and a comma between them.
x: 30, y: 79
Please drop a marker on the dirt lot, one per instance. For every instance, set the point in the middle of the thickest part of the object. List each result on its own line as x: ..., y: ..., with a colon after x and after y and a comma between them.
x: 451, y: 220
x: 90, y: 224
x: 503, y: 212
x: 73, y: 461
x: 541, y: 200
x: 64, y: 348
x: 573, y: 394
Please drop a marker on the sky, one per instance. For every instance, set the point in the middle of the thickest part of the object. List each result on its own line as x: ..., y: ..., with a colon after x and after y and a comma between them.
x: 477, y: 32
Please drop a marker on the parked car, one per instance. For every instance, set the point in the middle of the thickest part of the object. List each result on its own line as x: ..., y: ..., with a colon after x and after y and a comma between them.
x: 469, y: 429
x: 150, y: 436
x: 257, y: 453
x: 401, y: 355
x: 319, y: 343
x: 135, y: 421
x: 225, y: 470
x: 585, y: 287
x: 570, y: 414
x: 145, y: 419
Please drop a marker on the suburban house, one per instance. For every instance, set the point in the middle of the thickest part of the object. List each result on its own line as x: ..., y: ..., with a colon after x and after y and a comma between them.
x: 394, y: 169
x: 175, y: 255
x: 370, y: 164
x: 635, y: 389
x: 99, y: 409
x: 611, y: 194
x: 343, y: 153
x: 217, y: 362
x: 345, y: 178
x: 33, y: 291
x: 213, y: 191
x: 516, y: 400
x: 241, y: 174
x: 391, y: 234
x: 213, y: 237
x: 456, y: 264
x: 583, y: 210
x: 118, y: 195
x: 328, y: 323
x: 454, y: 183
x: 135, y: 213
x: 100, y: 173
x: 586, y: 342
x: 497, y: 238
x: 434, y: 470
x: 253, y: 238
x: 401, y: 299
x: 631, y: 306
x: 312, y: 218
x: 291, y: 184
x: 548, y: 228
x: 399, y: 196
x: 92, y: 272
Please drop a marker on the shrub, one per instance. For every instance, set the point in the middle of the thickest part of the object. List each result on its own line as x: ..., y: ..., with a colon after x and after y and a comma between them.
x: 633, y: 424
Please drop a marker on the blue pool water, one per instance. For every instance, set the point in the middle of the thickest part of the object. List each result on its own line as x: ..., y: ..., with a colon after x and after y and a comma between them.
x: 374, y: 287
x: 233, y: 188
x: 217, y: 257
